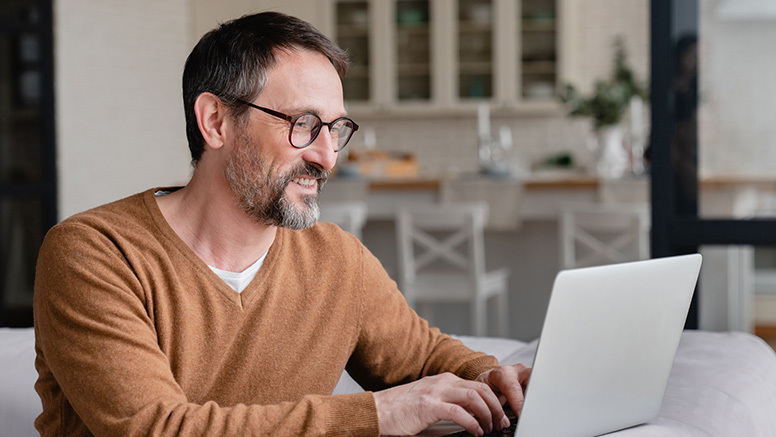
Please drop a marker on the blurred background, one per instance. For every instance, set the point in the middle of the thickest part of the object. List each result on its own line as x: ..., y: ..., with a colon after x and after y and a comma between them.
x: 531, y: 106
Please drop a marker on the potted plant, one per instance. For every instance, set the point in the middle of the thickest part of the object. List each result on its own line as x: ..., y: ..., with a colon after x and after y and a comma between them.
x: 607, y: 106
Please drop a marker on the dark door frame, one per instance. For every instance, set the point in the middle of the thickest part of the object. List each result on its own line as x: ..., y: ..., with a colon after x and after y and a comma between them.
x: 676, y: 227
x: 38, y: 22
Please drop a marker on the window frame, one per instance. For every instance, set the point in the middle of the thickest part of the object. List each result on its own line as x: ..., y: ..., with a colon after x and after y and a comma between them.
x: 676, y: 227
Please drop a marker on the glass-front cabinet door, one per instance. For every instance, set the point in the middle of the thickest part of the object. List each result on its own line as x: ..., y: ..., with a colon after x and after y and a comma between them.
x: 538, y: 49
x: 475, y: 49
x: 352, y: 34
x: 448, y: 53
x: 413, y: 50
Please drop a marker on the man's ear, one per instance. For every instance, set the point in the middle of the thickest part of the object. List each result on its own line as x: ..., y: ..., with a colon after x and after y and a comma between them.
x: 212, y: 119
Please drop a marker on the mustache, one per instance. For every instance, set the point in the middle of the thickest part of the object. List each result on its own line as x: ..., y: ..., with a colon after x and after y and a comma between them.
x: 307, y: 169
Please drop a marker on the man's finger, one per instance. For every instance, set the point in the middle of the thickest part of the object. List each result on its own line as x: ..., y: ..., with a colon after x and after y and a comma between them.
x: 498, y: 417
x: 486, y: 407
x: 461, y: 416
x: 477, y: 398
x: 510, y: 382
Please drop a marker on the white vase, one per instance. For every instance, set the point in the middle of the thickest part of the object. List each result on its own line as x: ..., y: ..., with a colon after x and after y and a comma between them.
x: 612, y: 159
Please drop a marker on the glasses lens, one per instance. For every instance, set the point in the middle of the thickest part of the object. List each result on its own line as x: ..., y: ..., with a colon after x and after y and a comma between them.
x: 304, y: 129
x: 342, y: 130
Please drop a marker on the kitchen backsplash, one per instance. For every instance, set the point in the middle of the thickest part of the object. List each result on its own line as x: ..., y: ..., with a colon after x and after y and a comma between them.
x: 444, y: 146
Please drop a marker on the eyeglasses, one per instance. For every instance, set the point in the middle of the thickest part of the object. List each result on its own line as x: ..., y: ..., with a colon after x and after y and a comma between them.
x: 306, y: 127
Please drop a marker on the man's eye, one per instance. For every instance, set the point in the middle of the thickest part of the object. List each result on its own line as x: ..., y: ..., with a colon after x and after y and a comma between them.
x: 306, y: 122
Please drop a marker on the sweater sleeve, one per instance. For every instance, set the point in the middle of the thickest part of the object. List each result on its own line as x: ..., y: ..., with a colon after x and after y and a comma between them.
x: 101, y: 366
x: 396, y: 346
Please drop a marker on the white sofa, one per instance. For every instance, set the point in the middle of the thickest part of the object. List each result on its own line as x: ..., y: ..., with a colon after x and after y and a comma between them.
x: 722, y: 384
x: 19, y: 403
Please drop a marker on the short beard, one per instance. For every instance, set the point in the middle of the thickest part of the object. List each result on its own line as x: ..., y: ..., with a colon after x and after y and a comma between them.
x: 261, y: 190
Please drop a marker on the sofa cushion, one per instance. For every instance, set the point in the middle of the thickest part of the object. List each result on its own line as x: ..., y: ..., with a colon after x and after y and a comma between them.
x: 19, y: 403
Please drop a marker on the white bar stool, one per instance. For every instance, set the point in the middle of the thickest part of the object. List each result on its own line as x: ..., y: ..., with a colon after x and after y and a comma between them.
x: 442, y: 259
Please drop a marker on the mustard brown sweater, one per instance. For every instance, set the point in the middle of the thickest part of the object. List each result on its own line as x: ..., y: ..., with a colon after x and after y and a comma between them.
x: 135, y: 335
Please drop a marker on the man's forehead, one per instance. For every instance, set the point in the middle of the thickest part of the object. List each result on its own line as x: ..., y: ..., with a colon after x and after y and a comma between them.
x: 303, y: 81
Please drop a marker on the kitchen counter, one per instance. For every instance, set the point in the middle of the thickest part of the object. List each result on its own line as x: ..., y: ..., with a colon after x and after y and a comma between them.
x: 721, y: 195
x: 555, y: 179
x: 539, y: 194
x: 535, y: 181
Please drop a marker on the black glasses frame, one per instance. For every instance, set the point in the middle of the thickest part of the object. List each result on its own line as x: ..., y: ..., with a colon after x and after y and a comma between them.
x: 293, y: 118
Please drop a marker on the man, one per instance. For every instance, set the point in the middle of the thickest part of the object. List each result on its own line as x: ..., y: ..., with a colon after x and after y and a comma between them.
x: 138, y: 333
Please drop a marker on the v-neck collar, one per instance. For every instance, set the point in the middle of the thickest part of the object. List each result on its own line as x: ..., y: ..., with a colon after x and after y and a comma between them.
x: 239, y: 299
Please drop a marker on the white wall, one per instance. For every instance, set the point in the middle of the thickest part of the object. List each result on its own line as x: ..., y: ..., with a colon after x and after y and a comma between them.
x: 120, y: 128
x: 207, y: 14
x: 118, y: 67
x: 737, y: 94
x: 593, y: 25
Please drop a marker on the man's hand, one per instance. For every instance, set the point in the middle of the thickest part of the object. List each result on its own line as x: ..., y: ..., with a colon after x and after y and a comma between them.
x: 508, y: 383
x: 410, y: 408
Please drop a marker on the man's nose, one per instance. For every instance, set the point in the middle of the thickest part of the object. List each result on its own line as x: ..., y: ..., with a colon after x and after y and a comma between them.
x: 321, y: 152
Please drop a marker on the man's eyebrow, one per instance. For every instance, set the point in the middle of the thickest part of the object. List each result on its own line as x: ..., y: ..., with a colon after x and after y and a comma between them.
x: 317, y: 112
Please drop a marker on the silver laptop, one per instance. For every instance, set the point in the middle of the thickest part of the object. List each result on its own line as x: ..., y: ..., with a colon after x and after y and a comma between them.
x: 607, y: 347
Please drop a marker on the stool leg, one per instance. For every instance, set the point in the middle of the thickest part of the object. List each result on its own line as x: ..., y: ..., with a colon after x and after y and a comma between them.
x: 503, y: 313
x: 479, y: 320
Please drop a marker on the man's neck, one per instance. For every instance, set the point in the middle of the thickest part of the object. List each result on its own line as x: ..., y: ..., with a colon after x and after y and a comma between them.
x: 207, y: 218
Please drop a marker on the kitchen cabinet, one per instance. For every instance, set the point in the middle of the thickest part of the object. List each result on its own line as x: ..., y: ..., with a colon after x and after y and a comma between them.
x: 475, y: 37
x: 448, y: 54
x: 353, y: 34
x: 538, y: 49
x: 413, y: 50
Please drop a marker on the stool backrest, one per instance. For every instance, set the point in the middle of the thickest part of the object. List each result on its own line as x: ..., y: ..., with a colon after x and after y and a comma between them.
x: 595, y: 234
x: 349, y: 215
x: 449, y: 234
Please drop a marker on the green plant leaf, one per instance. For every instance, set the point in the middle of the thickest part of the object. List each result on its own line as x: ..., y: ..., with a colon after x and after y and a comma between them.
x: 611, y: 98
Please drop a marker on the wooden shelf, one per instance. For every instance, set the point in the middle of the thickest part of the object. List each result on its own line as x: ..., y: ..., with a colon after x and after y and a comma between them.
x: 352, y: 31
x: 475, y: 68
x: 474, y: 27
x: 538, y: 67
x: 414, y: 69
x: 413, y: 29
x: 537, y: 26
x: 767, y: 333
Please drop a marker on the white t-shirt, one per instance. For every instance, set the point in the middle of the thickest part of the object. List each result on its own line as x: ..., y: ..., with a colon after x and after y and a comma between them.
x: 239, y: 280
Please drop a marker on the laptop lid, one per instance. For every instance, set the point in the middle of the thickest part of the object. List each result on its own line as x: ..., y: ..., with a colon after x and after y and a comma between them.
x: 607, y: 347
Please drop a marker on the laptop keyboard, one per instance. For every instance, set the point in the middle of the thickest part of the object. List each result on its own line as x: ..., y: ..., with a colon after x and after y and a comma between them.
x: 506, y: 432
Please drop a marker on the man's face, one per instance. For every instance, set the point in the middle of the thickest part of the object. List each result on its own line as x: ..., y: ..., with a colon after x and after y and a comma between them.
x: 275, y: 183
